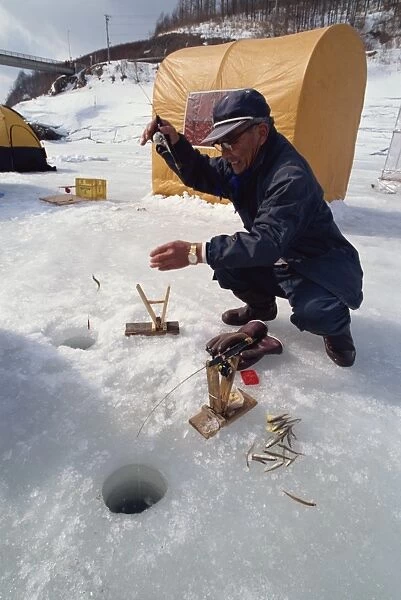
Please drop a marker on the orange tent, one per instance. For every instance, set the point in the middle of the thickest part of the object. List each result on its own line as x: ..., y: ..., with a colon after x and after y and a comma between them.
x: 314, y: 82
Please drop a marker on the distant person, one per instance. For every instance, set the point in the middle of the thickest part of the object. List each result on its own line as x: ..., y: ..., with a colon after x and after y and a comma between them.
x: 291, y: 247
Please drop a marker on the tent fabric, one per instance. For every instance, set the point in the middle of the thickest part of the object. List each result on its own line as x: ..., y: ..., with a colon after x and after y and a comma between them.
x: 314, y: 82
x: 392, y: 167
x: 20, y: 148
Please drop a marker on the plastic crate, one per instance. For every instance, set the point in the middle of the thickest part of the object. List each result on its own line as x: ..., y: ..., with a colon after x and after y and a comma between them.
x: 91, y: 189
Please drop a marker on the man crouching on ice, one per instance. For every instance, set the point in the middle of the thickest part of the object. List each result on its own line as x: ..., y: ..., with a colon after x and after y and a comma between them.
x: 291, y: 247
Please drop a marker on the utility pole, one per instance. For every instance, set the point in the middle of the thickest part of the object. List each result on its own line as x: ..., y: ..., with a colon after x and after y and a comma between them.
x: 107, y: 17
x: 69, y: 45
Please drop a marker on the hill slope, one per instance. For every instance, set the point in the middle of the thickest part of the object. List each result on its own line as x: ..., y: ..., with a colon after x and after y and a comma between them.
x: 380, y: 30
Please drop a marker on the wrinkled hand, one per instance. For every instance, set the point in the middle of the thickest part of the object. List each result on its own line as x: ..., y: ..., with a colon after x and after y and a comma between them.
x: 166, y: 128
x: 173, y: 255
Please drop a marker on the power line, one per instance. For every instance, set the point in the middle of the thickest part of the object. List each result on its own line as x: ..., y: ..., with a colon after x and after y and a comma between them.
x: 134, y: 16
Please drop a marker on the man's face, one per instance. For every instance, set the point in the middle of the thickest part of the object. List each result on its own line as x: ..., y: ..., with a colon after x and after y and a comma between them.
x: 240, y: 151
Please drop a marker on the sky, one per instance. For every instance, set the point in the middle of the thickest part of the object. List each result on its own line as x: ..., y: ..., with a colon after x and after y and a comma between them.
x: 70, y: 416
x: 55, y: 29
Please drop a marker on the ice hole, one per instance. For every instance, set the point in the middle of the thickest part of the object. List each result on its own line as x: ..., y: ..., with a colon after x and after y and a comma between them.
x: 76, y: 337
x: 133, y: 489
x: 79, y: 342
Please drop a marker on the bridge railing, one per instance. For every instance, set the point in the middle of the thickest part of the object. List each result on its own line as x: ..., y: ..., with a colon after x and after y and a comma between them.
x: 30, y: 57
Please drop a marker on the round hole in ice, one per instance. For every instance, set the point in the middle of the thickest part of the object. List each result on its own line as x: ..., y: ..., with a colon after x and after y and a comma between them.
x: 133, y: 489
x: 77, y: 338
x: 79, y: 342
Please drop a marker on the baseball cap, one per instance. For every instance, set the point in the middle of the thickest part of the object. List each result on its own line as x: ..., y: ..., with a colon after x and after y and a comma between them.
x: 233, y: 111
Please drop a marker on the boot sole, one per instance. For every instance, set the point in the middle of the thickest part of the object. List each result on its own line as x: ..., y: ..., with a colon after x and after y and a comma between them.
x: 341, y: 361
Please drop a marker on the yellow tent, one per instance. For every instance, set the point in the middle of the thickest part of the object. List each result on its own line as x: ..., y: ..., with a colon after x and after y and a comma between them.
x: 20, y: 148
x: 314, y: 82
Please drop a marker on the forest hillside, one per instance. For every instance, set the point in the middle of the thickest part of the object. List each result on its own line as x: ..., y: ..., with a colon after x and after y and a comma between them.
x: 200, y: 22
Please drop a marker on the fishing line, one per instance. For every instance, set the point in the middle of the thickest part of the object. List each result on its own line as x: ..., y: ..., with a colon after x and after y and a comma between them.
x: 146, y: 96
x: 166, y: 396
x: 159, y: 138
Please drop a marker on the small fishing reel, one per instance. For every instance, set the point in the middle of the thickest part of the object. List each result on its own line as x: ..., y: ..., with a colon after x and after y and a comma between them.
x: 225, y: 368
x: 160, y: 139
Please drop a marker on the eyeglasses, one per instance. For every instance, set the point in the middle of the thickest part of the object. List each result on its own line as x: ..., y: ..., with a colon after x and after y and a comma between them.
x: 225, y: 145
x: 230, y: 144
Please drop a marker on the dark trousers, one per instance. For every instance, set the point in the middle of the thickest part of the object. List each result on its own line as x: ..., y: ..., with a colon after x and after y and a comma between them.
x: 314, y: 308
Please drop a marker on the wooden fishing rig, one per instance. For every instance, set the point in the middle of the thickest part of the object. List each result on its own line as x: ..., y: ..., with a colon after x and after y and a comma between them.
x: 158, y: 325
x: 226, y: 402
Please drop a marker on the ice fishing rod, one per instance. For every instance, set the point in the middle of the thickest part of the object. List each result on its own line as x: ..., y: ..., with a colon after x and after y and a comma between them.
x: 220, y: 360
x: 159, y: 138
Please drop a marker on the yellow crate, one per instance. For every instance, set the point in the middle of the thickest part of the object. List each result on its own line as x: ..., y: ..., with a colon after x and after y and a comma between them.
x: 91, y: 189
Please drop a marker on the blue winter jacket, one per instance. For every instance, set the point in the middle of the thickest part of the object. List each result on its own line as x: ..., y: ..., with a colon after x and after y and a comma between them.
x: 283, y: 211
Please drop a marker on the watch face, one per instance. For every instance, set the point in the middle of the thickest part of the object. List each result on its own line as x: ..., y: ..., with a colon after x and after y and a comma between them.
x: 193, y: 259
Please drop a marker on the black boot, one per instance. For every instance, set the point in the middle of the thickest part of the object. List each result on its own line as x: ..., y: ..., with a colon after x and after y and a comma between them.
x: 258, y: 306
x: 340, y: 348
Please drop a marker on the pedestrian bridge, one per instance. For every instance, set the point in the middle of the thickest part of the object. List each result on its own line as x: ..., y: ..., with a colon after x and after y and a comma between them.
x: 35, y: 63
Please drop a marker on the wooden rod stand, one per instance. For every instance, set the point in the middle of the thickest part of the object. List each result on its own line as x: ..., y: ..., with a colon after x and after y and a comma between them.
x: 158, y: 325
x: 225, y: 404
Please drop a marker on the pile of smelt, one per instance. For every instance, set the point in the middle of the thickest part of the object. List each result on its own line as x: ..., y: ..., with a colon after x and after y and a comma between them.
x: 278, y: 450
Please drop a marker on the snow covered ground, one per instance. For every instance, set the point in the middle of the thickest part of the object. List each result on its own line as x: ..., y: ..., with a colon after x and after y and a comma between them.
x: 69, y: 417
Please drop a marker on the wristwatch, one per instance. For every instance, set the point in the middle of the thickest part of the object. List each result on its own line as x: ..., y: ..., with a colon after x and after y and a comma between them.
x: 192, y: 255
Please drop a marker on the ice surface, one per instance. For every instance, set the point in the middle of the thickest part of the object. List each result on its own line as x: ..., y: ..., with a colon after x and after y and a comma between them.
x: 69, y: 417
